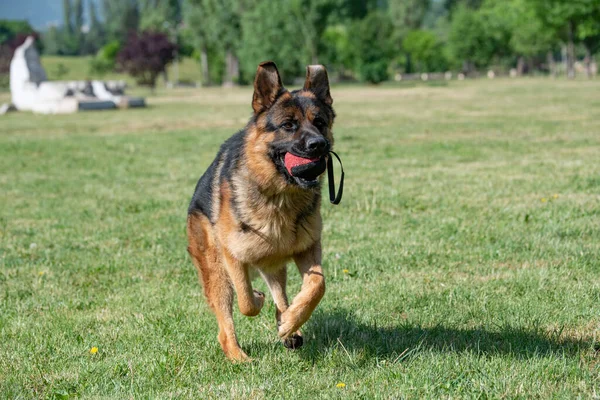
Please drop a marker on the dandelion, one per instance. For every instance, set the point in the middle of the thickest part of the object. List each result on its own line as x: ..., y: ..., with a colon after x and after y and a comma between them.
x: 93, y: 350
x: 41, y: 273
x: 340, y: 385
x: 555, y: 196
x: 544, y: 199
x: 346, y: 271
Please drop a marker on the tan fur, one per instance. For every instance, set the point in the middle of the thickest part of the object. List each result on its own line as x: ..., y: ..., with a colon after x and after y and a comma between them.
x: 259, y: 222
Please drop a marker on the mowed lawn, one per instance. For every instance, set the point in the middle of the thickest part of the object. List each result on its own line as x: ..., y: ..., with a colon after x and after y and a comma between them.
x: 464, y: 260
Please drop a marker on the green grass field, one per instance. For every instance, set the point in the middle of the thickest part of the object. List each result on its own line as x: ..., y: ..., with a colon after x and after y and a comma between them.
x: 463, y: 262
x: 78, y: 68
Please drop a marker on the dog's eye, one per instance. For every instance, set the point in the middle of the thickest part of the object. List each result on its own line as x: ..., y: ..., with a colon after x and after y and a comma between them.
x: 288, y: 126
x: 319, y: 123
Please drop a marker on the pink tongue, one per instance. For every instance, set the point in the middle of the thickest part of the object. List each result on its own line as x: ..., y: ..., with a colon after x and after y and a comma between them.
x: 292, y: 161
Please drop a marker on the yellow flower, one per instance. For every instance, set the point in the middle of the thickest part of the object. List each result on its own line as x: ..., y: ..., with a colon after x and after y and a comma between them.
x: 93, y: 350
x: 544, y: 199
x: 345, y: 271
x: 340, y: 385
x: 555, y: 196
x: 41, y: 273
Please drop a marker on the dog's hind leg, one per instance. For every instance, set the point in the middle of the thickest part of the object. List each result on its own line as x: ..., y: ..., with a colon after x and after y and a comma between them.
x: 221, y: 300
x: 276, y: 281
x: 215, y: 281
x: 311, y: 293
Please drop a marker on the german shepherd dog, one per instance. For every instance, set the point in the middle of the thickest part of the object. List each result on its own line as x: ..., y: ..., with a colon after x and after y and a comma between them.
x: 257, y: 207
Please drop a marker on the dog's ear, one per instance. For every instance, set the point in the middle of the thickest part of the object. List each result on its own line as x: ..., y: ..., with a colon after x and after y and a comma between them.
x: 318, y: 83
x: 267, y: 85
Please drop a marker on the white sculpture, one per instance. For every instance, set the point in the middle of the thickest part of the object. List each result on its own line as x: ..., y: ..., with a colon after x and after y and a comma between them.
x: 31, y: 90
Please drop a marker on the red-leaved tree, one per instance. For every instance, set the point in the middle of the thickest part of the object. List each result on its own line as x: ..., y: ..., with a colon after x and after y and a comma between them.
x: 7, y: 49
x: 145, y: 56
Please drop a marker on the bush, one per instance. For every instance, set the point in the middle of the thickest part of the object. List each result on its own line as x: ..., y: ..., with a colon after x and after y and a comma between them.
x: 106, y: 59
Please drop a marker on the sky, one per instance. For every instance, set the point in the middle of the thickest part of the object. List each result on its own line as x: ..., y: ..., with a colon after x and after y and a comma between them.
x: 39, y: 13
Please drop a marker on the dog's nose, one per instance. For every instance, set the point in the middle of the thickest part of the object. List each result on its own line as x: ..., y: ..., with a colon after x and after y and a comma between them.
x: 316, y: 144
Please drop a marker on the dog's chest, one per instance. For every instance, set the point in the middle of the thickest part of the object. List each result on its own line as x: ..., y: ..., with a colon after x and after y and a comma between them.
x: 270, y: 235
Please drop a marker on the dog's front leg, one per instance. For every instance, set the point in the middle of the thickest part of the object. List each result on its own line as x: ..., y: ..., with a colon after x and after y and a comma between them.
x: 250, y: 301
x: 313, y: 289
x: 276, y: 280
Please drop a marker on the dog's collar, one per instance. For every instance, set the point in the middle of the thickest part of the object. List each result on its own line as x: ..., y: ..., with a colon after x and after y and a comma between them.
x: 333, y: 198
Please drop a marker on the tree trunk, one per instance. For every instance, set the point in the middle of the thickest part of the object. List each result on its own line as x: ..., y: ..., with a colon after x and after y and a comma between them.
x: 204, y: 67
x: 563, y: 59
x: 235, y: 69
x: 227, y: 79
x: 232, y: 69
x: 551, y: 66
x: 570, y: 53
x: 468, y: 68
x: 175, y: 67
x: 588, y: 62
x: 520, y: 66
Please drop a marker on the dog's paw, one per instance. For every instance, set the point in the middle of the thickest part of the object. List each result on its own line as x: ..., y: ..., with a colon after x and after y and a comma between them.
x: 239, y: 357
x: 287, y: 325
x: 293, y: 342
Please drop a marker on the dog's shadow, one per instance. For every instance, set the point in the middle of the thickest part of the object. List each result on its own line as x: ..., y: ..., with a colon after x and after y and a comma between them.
x: 360, y: 341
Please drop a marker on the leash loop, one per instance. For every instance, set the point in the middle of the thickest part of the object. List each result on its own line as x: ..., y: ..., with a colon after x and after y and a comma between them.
x: 333, y: 198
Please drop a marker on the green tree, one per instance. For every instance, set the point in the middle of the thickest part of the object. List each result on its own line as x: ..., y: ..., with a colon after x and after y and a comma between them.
x: 272, y: 36
x: 566, y: 19
x: 498, y: 18
x: 78, y: 21
x: 338, y: 49
x: 227, y: 14
x: 372, y: 46
x: 425, y: 50
x: 530, y: 38
x: 313, y: 17
x: 200, y: 26
x: 51, y: 39
x: 121, y: 18
x: 467, y: 40
x: 95, y: 37
x: 406, y: 16
x: 67, y: 17
x: 471, y: 4
x: 67, y: 41
x: 588, y: 32
x: 160, y: 15
x: 216, y: 28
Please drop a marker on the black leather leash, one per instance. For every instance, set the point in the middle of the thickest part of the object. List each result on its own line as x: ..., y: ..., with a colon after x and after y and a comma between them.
x: 332, y: 196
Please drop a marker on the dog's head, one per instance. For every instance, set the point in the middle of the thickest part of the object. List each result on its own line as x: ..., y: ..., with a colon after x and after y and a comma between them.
x: 294, y: 127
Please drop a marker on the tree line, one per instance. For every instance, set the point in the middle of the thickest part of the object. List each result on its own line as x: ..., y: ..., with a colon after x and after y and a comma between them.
x: 367, y: 40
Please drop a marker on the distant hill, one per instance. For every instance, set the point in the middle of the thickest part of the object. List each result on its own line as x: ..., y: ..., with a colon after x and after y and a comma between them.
x: 39, y: 13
